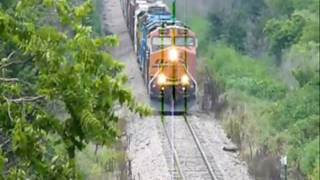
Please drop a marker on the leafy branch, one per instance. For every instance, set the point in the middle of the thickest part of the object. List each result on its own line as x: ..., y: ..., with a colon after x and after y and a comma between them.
x: 66, y: 63
x: 25, y: 99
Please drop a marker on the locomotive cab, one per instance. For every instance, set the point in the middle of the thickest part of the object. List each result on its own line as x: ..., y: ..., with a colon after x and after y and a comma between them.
x: 165, y: 48
x: 171, y: 63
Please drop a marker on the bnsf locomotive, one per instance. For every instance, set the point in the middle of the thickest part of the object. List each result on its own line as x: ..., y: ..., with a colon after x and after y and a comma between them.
x: 165, y: 48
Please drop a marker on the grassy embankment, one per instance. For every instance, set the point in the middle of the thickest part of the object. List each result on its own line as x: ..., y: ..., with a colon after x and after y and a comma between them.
x: 265, y: 116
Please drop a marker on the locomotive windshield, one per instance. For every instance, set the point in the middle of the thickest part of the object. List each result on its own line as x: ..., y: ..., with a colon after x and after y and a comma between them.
x: 167, y: 41
x: 158, y: 41
x: 185, y: 41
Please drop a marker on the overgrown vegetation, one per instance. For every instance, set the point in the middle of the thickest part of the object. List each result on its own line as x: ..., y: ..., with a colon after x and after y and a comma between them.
x: 50, y: 57
x: 94, y: 18
x: 273, y: 98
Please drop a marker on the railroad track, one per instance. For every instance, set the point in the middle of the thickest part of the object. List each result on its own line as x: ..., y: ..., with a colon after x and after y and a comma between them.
x: 189, y: 158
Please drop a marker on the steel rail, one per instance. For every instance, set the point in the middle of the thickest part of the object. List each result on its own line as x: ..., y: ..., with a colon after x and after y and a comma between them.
x: 175, y: 154
x: 203, y: 154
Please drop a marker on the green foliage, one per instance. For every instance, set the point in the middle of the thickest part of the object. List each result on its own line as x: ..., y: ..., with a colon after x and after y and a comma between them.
x: 280, y: 7
x: 260, y: 88
x: 304, y: 130
x: 304, y: 76
x: 303, y: 60
x: 200, y: 27
x: 302, y: 24
x: 315, y: 174
x: 311, y: 28
x: 49, y: 55
x: 241, y: 124
x: 2, y: 163
x: 277, y: 104
x: 284, y: 33
x: 244, y: 73
x: 100, y: 164
x: 299, y: 113
x: 231, y: 31
x: 232, y: 23
x: 311, y: 156
x: 94, y: 19
x: 301, y: 134
x: 287, y: 7
x: 297, y: 105
x: 283, y: 22
x: 5, y: 4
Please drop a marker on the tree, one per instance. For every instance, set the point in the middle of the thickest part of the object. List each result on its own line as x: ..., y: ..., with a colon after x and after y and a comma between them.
x: 49, y: 55
x: 284, y: 33
x: 280, y: 7
x: 237, y: 22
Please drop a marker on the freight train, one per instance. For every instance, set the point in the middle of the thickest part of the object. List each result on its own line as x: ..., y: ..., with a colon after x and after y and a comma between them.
x: 165, y: 50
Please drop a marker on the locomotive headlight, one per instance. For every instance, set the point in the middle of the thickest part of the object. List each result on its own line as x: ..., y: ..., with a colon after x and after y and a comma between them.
x: 185, y: 80
x: 173, y: 54
x: 161, y: 79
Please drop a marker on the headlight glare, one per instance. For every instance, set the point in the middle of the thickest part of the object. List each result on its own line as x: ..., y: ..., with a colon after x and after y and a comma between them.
x: 185, y: 80
x: 161, y: 79
x: 173, y: 54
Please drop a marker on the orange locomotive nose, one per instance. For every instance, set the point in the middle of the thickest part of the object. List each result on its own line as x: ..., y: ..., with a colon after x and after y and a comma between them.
x: 170, y: 69
x: 173, y: 62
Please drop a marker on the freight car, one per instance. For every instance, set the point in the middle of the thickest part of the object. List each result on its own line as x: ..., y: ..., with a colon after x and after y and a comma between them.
x: 165, y: 49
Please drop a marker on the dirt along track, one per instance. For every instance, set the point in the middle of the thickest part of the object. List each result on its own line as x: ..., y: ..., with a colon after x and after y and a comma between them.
x: 148, y: 149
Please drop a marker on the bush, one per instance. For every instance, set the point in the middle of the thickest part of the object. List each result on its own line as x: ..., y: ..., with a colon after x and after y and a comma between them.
x: 311, y: 156
x: 297, y: 105
x: 244, y: 73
